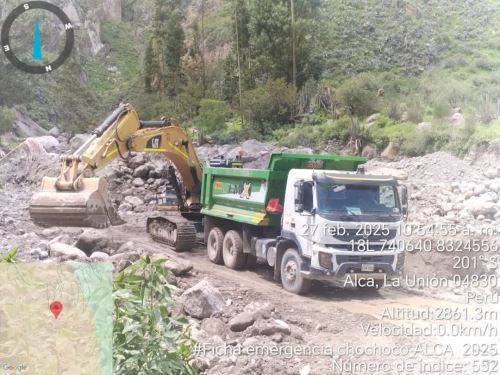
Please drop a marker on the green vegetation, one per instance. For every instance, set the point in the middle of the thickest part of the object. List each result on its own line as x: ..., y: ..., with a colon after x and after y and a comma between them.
x: 291, y: 71
x: 10, y: 257
x: 146, y: 339
x: 7, y: 118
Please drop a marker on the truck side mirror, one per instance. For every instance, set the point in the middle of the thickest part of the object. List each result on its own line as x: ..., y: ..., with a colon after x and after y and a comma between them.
x: 299, y: 196
x: 404, y: 200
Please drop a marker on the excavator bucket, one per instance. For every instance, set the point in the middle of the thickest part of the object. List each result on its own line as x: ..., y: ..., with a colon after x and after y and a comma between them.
x: 87, y: 207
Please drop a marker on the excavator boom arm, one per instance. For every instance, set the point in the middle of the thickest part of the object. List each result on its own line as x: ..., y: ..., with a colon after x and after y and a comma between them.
x: 73, y: 198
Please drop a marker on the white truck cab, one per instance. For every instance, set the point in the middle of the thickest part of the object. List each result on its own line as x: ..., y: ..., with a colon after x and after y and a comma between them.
x: 340, y: 226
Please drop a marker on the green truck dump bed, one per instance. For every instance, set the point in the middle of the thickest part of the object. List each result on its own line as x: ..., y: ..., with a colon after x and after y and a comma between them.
x: 243, y: 195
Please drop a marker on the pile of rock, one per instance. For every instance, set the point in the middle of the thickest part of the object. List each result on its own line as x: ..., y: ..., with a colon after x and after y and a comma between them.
x: 134, y: 182
x: 443, y: 187
x: 218, y: 323
x: 95, y: 245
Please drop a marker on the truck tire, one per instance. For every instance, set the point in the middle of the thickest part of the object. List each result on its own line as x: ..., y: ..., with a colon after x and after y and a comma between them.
x: 232, y: 250
x: 214, y: 245
x: 291, y: 278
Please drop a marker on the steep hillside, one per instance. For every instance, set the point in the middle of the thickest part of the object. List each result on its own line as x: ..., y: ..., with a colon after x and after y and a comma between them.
x: 420, y: 61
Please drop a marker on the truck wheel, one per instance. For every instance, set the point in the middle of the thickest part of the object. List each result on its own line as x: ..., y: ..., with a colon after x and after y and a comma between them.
x: 214, y: 245
x: 291, y: 278
x: 232, y: 250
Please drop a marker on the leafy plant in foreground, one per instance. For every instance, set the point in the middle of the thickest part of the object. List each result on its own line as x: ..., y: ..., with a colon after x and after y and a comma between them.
x: 146, y: 339
x: 10, y: 257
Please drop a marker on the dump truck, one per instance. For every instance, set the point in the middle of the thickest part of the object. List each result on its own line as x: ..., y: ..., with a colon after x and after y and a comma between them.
x: 309, y: 217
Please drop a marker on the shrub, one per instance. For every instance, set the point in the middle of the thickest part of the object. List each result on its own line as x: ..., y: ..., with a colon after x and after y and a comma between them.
x: 339, y: 130
x: 415, y: 110
x: 146, y: 340
x: 212, y: 116
x: 10, y: 257
x: 7, y: 118
x: 300, y: 135
x: 484, y: 63
x: 441, y: 109
x: 384, y: 131
x: 313, y: 135
x: 270, y: 105
x: 486, y: 132
x: 359, y: 94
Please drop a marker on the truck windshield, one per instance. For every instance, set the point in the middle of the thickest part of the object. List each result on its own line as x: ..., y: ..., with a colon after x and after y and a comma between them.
x: 377, y: 201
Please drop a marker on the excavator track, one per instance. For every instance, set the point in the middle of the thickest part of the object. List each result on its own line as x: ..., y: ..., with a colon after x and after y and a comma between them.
x: 174, y: 231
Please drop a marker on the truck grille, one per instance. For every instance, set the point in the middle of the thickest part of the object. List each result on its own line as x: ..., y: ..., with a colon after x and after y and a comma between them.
x: 365, y: 259
x: 352, y: 234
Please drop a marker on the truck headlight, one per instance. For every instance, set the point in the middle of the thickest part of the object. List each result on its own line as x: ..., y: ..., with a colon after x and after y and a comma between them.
x: 325, y: 260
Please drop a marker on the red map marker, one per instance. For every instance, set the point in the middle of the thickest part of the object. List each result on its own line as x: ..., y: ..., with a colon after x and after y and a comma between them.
x: 56, y: 307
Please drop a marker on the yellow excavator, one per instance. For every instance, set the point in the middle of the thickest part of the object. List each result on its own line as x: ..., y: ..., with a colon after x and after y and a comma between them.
x: 78, y: 198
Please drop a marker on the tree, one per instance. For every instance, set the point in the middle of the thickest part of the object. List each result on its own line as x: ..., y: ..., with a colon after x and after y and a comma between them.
x: 154, y: 65
x: 149, y: 67
x: 270, y: 105
x: 284, y: 45
x: 174, y: 47
x: 162, y: 63
x: 238, y: 64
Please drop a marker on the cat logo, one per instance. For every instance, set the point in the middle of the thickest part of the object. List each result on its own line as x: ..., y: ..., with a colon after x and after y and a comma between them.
x: 154, y: 143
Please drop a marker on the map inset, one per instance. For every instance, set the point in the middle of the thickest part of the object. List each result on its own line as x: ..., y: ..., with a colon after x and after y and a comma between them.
x: 77, y: 340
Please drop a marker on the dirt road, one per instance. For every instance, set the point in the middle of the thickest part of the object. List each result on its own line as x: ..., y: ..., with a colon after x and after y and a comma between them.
x: 350, y: 327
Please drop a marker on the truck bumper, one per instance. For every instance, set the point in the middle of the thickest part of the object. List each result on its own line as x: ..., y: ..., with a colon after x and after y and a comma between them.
x: 381, y: 265
x: 384, y: 271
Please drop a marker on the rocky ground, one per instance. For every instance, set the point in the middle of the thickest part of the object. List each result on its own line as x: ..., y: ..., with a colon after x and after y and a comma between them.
x: 234, y: 311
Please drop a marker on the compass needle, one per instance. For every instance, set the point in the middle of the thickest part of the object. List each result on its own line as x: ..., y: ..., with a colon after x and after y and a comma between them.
x: 37, y: 41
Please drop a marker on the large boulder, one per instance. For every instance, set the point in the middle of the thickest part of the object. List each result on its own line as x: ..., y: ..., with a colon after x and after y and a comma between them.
x: 98, y: 256
x: 457, y: 119
x: 252, y: 312
x: 477, y: 206
x: 136, y: 161
x: 179, y: 267
x: 92, y: 240
x: 141, y: 171
x: 138, y: 182
x: 25, y: 127
x: 202, y: 300
x: 369, y: 151
x: 123, y: 260
x: 78, y: 140
x: 390, y: 152
x: 49, y: 143
x: 213, y: 327
x: 134, y: 201
x: 271, y: 327
x: 66, y: 252
x: 241, y: 321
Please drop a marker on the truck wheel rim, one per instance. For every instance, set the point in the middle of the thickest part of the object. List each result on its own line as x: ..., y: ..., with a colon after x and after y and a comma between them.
x: 291, y: 271
x: 212, y: 245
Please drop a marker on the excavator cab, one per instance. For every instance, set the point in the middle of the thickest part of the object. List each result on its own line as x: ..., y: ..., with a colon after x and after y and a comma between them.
x: 166, y: 201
